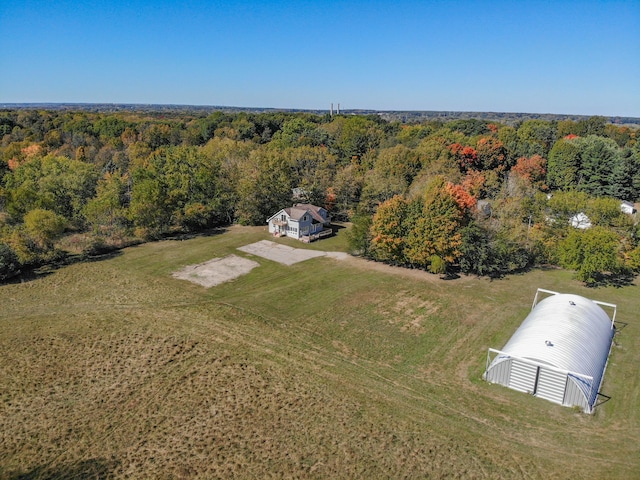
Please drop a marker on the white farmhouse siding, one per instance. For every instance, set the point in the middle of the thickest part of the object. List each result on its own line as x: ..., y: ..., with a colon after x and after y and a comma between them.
x: 628, y: 207
x: 558, y: 353
x: 301, y: 220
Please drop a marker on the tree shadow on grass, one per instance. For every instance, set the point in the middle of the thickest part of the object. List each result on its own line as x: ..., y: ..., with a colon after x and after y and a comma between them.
x: 450, y: 276
x: 29, y: 274
x: 97, y: 254
x: 617, y: 280
x: 96, y: 468
x: 212, y: 232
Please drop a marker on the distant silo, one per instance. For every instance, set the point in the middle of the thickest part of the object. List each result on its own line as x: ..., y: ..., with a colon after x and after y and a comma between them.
x: 559, y: 352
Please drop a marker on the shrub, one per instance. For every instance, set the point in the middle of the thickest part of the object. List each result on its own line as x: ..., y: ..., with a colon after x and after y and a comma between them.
x: 437, y: 264
x: 9, y: 263
x: 96, y: 246
x: 633, y: 260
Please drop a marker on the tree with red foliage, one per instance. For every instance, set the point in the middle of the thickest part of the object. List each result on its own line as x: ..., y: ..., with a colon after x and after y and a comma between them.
x: 467, y: 157
x: 533, y: 170
x: 492, y: 155
x: 474, y: 182
x: 330, y: 199
x: 462, y: 197
x: 434, y: 224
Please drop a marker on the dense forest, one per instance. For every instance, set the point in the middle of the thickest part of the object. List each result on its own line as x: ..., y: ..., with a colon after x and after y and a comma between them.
x: 469, y: 195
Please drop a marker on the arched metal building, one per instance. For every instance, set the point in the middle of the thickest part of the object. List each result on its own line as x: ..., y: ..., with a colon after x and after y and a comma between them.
x: 559, y: 352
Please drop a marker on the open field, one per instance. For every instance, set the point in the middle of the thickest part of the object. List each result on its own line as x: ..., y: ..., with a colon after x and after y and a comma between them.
x: 325, y: 368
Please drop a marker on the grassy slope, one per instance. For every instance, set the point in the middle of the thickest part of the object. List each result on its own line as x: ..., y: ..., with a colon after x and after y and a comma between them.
x: 323, y: 369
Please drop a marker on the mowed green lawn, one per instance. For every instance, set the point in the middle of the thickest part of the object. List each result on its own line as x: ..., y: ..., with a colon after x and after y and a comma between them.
x: 324, y: 369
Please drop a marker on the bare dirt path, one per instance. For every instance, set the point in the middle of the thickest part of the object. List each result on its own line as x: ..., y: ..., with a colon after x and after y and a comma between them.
x: 412, y: 273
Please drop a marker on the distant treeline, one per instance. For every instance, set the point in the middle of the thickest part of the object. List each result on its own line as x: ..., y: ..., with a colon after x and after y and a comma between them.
x: 405, y: 116
x: 423, y: 189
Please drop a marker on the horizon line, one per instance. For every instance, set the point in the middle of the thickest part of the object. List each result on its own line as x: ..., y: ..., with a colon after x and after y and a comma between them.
x: 4, y: 105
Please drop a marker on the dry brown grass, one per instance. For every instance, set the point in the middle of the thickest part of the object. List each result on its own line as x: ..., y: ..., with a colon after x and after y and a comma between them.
x: 332, y: 369
x: 158, y: 407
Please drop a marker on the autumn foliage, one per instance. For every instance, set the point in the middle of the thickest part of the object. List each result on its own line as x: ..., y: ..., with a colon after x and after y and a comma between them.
x: 409, y: 189
x: 491, y: 154
x: 330, y: 199
x: 26, y: 153
x: 474, y: 182
x: 13, y: 163
x: 388, y: 230
x: 31, y: 151
x: 463, y: 198
x: 532, y: 169
x: 422, y: 230
x: 467, y: 157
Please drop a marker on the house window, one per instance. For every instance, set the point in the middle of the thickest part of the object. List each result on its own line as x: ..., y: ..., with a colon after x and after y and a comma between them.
x: 283, y: 217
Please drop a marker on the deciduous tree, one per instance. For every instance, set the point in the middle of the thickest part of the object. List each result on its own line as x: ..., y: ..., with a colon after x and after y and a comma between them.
x: 591, y: 253
x: 9, y: 263
x: 107, y: 211
x: 434, y: 223
x: 389, y: 231
x: 44, y: 226
x: 531, y: 171
x: 264, y: 187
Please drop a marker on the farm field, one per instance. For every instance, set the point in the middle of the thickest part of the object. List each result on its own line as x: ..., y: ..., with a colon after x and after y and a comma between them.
x: 326, y: 368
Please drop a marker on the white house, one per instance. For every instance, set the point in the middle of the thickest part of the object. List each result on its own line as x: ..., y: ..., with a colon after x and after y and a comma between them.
x: 628, y: 207
x: 302, y: 221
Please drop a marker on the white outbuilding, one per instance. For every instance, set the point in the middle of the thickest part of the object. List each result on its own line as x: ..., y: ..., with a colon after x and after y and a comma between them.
x: 628, y: 208
x: 559, y: 352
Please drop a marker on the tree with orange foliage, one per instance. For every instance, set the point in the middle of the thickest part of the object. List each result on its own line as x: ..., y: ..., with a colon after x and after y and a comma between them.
x: 13, y: 163
x: 491, y: 154
x: 467, y: 157
x: 330, y: 199
x: 462, y: 197
x: 388, y: 231
x: 32, y: 151
x: 433, y: 225
x: 533, y: 170
x: 474, y: 182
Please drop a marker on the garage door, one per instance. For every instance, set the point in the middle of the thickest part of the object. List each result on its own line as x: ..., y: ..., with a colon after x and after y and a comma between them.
x: 523, y: 376
x: 551, y: 385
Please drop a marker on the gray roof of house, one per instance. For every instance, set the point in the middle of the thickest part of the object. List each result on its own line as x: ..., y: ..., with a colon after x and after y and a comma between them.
x: 297, y: 212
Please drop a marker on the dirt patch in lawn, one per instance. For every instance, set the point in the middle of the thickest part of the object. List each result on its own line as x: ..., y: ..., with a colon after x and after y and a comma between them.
x: 284, y: 254
x: 220, y: 270
x: 217, y: 271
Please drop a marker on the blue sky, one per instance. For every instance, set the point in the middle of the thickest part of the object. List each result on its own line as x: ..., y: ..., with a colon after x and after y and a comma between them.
x: 573, y: 57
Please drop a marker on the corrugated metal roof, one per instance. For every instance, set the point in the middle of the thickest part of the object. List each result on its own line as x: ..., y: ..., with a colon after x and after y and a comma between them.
x: 568, y: 332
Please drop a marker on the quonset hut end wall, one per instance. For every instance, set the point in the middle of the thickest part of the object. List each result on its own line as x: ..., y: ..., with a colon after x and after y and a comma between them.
x: 559, y: 352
